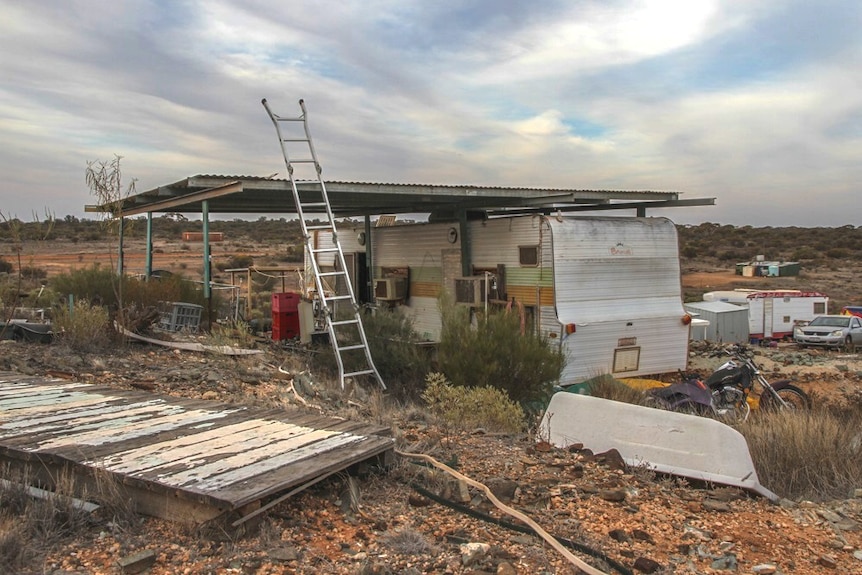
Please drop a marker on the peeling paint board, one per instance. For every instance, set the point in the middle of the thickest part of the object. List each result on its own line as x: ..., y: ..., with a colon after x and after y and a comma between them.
x: 197, y: 439
x: 261, y: 475
x: 14, y: 390
x: 215, y: 478
x: 78, y: 419
x: 36, y: 403
x: 190, y: 431
x: 123, y: 430
x: 287, y: 477
x: 263, y: 453
x: 188, y: 451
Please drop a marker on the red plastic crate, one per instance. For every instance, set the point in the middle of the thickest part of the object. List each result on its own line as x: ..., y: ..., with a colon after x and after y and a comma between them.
x: 285, y: 325
x: 286, y: 301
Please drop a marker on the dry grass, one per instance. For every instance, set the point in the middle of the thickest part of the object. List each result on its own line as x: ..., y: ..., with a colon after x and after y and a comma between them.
x: 31, y: 526
x: 807, y: 454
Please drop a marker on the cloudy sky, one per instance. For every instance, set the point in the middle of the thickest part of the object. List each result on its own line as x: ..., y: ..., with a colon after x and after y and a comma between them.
x: 755, y: 103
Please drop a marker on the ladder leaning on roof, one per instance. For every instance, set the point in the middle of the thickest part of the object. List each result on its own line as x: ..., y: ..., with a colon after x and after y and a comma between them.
x: 346, y: 335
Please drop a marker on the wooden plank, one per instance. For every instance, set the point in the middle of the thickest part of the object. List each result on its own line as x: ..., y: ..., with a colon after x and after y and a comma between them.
x: 199, y: 457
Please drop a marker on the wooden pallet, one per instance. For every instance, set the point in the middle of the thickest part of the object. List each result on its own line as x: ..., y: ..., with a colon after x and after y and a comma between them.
x: 179, y: 459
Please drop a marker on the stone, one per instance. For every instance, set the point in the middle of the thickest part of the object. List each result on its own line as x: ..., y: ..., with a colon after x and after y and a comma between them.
x: 472, y: 553
x: 857, y: 554
x: 209, y: 395
x: 506, y: 568
x: 283, y: 553
x: 713, y: 505
x: 642, y: 535
x: 764, y: 569
x: 612, y: 459
x: 137, y: 563
x: 827, y: 561
x: 646, y: 565
x: 725, y: 563
x: 503, y: 489
x: 614, y: 495
x: 619, y: 535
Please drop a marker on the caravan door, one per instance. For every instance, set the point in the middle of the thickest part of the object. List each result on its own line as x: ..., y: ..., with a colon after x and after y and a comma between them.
x: 768, y: 304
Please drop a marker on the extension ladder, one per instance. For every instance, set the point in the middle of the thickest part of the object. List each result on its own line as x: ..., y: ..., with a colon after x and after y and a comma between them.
x: 346, y: 334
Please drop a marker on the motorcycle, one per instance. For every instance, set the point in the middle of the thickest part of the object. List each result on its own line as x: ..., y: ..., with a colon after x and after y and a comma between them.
x: 725, y: 394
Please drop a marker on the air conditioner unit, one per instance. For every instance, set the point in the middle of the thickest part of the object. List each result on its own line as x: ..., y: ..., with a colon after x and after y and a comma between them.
x: 390, y: 289
x: 471, y: 290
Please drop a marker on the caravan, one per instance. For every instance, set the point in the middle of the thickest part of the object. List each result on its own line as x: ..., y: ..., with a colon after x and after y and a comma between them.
x: 772, y: 314
x: 605, y: 289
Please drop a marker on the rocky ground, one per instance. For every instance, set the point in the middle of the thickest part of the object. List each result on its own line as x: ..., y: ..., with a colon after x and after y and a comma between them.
x: 385, y: 522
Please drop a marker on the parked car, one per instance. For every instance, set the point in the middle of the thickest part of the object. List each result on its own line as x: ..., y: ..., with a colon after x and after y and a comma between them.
x: 831, y: 331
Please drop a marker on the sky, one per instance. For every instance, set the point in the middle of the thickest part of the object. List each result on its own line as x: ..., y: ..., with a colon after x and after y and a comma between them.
x: 757, y: 104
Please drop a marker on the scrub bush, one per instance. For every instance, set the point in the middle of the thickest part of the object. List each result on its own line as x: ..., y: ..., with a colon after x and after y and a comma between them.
x: 465, y: 407
x: 395, y: 350
x: 84, y: 327
x: 492, y: 352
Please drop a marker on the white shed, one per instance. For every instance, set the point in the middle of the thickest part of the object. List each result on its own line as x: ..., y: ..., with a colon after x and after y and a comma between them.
x: 728, y: 323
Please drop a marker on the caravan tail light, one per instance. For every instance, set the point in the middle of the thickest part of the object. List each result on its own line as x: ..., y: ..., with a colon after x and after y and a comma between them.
x: 686, y: 319
x: 570, y: 328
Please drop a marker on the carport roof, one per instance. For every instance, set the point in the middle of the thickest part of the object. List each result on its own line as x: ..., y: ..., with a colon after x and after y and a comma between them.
x: 260, y: 195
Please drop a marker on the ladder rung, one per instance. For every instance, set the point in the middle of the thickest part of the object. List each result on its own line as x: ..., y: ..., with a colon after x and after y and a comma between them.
x: 295, y: 140
x: 335, y: 297
x: 362, y: 372
x: 324, y: 250
x: 338, y: 273
x: 345, y: 322
x: 313, y: 205
x: 351, y: 347
x: 303, y: 161
x: 325, y: 227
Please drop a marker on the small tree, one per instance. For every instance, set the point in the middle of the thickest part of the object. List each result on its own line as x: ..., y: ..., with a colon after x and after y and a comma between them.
x: 105, y: 180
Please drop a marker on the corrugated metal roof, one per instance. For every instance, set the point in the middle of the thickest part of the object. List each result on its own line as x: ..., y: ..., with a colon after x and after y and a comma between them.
x: 256, y: 194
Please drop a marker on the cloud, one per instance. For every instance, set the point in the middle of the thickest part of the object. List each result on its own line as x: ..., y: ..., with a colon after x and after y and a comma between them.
x: 757, y: 104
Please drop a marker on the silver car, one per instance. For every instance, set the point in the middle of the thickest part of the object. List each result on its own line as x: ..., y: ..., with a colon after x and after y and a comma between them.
x: 831, y: 331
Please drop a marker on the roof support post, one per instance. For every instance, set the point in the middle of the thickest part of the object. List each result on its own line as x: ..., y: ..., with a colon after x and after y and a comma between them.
x: 369, y: 261
x: 148, y: 265
x: 466, y: 244
x: 205, y: 212
x: 641, y: 212
x: 121, y: 228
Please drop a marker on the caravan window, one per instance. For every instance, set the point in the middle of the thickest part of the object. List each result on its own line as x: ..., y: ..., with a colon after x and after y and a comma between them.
x: 528, y: 255
x: 819, y: 308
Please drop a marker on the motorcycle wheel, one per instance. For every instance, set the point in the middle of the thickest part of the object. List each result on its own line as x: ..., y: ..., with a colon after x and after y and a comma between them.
x: 794, y: 397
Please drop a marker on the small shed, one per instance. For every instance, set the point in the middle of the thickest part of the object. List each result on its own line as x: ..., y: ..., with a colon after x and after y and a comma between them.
x: 728, y: 323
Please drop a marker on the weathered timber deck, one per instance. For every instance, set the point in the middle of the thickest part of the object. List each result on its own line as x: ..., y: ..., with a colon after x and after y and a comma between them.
x: 184, y: 459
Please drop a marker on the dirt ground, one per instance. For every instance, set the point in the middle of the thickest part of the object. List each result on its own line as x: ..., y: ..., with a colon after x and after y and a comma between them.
x: 647, y: 523
x: 644, y: 522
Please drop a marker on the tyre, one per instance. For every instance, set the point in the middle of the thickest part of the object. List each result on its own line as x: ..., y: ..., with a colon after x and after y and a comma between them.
x: 793, y: 397
x: 848, y: 345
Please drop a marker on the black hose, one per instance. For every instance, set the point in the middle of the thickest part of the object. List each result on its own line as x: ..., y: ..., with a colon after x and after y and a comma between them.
x: 520, y: 528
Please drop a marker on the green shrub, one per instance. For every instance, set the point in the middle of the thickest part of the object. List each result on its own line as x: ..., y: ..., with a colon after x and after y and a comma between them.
x: 493, y: 352
x: 86, y: 327
x: 396, y: 353
x: 469, y: 407
x: 98, y: 285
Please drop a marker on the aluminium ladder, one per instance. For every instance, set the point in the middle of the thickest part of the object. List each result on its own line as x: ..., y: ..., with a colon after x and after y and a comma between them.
x: 346, y: 335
